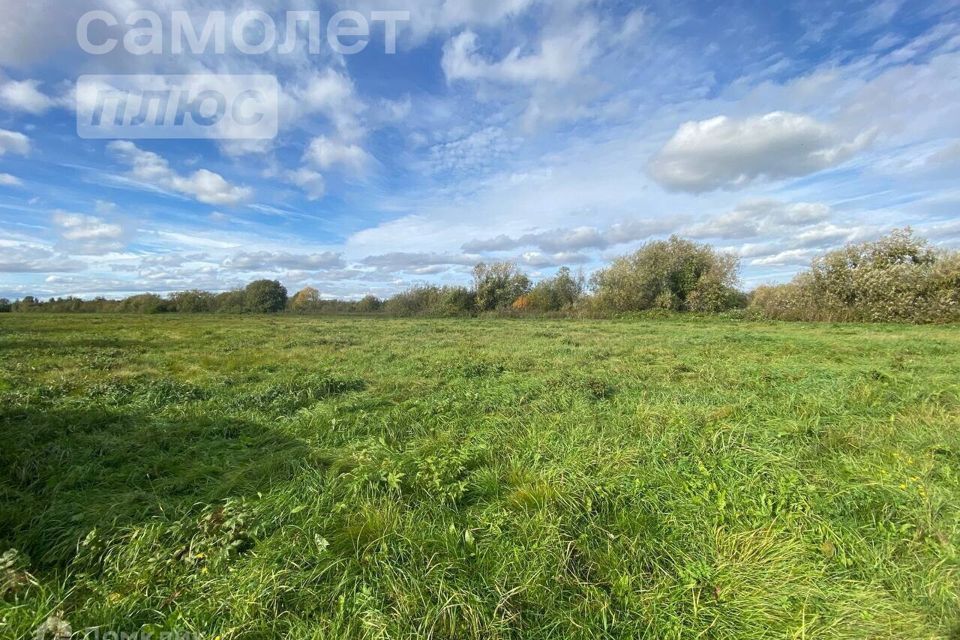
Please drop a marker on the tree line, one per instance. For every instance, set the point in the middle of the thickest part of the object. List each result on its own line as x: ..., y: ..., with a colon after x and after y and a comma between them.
x: 898, y: 278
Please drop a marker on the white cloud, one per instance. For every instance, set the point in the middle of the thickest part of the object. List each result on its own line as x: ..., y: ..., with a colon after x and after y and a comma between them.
x: 756, y: 217
x: 326, y: 153
x: 486, y: 148
x: 24, y: 96
x: 88, y: 234
x: 419, y: 263
x: 456, y: 12
x: 22, y: 257
x: 559, y: 57
x: 791, y: 257
x: 7, y: 180
x: 266, y: 260
x: 825, y: 235
x: 332, y: 94
x: 14, y: 142
x: 723, y: 153
x: 211, y: 188
x: 312, y: 182
x: 540, y: 260
x: 431, y: 16
x: 203, y: 185
x: 562, y: 241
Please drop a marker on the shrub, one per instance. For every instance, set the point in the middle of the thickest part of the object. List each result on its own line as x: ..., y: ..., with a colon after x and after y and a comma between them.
x: 792, y: 301
x: 498, y: 285
x: 559, y: 293
x: 675, y: 274
x: 418, y: 300
x: 457, y: 301
x: 898, y: 278
x: 29, y: 303
x: 146, y: 303
x: 230, y: 302
x: 428, y: 300
x: 192, y: 302
x: 414, y: 301
x: 712, y: 295
x: 523, y: 303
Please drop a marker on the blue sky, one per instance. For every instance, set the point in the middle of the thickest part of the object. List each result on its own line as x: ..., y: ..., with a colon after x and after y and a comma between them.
x: 548, y: 133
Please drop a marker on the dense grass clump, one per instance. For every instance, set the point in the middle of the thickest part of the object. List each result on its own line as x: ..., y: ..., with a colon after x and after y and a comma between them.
x: 375, y: 478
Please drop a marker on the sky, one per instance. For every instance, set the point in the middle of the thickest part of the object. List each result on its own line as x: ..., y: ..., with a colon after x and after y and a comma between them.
x: 549, y: 133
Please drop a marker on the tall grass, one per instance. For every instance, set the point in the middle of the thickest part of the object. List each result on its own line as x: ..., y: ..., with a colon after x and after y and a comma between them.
x: 318, y: 478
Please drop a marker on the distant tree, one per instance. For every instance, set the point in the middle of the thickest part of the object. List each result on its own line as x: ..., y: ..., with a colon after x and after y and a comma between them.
x: 28, y: 303
x: 265, y: 296
x: 102, y: 305
x: 369, y: 304
x: 230, y: 302
x: 307, y: 299
x: 498, y: 285
x: 429, y: 300
x: 192, y: 302
x: 417, y: 300
x: 5, y: 306
x: 146, y: 303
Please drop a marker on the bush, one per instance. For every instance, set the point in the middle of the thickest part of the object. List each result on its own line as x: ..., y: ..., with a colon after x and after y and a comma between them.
x: 5, y: 306
x: 559, y: 293
x: 192, y: 302
x: 675, y: 274
x: 457, y: 301
x: 147, y: 303
x: 498, y: 285
x: 418, y: 300
x: 27, y: 304
x: 422, y: 300
x: 898, y: 278
x: 265, y: 296
x: 230, y: 302
x: 792, y: 301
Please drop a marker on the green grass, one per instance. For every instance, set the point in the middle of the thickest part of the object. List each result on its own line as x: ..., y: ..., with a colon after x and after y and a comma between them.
x: 325, y: 478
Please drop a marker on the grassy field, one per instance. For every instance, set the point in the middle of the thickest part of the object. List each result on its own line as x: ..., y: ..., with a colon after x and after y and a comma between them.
x: 325, y: 478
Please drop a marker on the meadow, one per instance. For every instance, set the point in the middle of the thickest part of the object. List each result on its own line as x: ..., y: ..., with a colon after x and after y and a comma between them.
x: 264, y: 477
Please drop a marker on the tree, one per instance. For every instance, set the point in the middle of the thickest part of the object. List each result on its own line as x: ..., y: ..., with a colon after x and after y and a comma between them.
x: 307, y: 299
x: 5, y: 306
x: 675, y: 274
x: 265, y: 296
x: 499, y: 285
x: 145, y: 303
x: 29, y: 303
x: 369, y: 304
x: 230, y: 302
